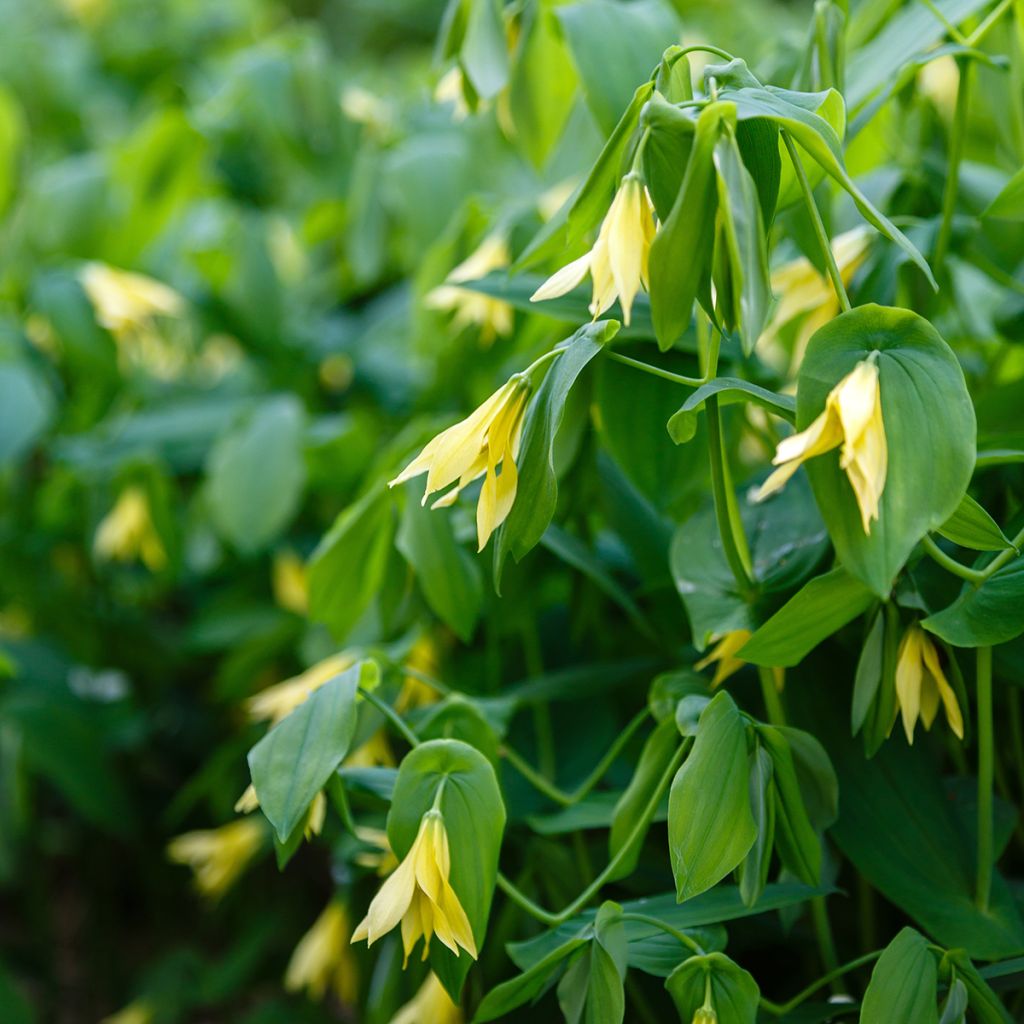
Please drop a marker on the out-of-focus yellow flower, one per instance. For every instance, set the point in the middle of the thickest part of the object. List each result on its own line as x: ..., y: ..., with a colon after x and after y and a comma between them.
x: 126, y: 302
x: 422, y: 660
x: 382, y: 859
x: 291, y: 589
x: 492, y: 316
x: 323, y: 959
x: 477, y: 446
x: 138, y: 1012
x: 218, y: 856
x: 551, y: 200
x: 723, y: 657
x: 127, y: 532
x: 921, y: 684
x: 617, y: 263
x: 281, y: 699
x: 939, y: 80
x: 430, y: 1005
x: 450, y: 89
x: 419, y: 896
x: 802, y: 290
x: 365, y: 107
x: 374, y: 753
x: 705, y: 1015
x: 316, y: 813
x: 852, y: 418
x: 86, y: 11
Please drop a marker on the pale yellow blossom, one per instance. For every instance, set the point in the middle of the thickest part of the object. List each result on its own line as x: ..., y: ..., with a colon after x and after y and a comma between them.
x: 218, y: 856
x: 430, y: 1005
x: 921, y: 684
x: 323, y: 959
x: 290, y: 584
x: 724, y: 657
x: 281, y: 699
x: 127, y: 532
x: 137, y: 1012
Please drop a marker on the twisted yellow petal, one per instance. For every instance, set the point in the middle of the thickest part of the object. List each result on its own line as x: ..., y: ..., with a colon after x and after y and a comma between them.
x: 921, y: 684
x: 323, y: 959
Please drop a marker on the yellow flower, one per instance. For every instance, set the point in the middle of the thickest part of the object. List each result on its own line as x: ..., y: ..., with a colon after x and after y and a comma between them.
x: 279, y: 701
x: 492, y: 316
x: 383, y: 859
x: 127, y: 532
x: 430, y: 1005
x: 617, y: 264
x: 852, y: 418
x: 217, y: 856
x: 450, y: 89
x: 474, y: 447
x: 723, y: 656
x: 316, y: 813
x: 421, y: 661
x: 138, y: 1012
x: 126, y: 302
x: 921, y: 684
x: 419, y: 895
x: 375, y: 752
x: 803, y: 290
x: 289, y: 582
x: 705, y: 1015
x: 323, y: 959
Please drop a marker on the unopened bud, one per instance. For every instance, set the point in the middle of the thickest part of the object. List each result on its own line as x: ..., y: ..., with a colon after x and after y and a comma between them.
x: 705, y: 1015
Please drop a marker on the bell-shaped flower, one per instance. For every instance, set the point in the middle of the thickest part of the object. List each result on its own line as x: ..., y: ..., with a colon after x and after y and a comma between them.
x: 218, y: 856
x: 617, y: 263
x: 921, y: 685
x: 493, y: 316
x: 852, y: 420
x: 281, y: 699
x: 724, y: 657
x: 323, y: 959
x: 127, y: 532
x: 419, y: 896
x: 124, y: 301
x: 430, y: 1005
x: 486, y: 440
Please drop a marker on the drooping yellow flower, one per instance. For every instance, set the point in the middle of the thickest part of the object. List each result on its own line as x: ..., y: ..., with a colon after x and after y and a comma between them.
x: 617, y: 263
x: 382, y: 858
x: 852, y: 418
x: 419, y: 895
x: 477, y: 446
x: 291, y: 590
x: 422, y: 660
x: 281, y: 699
x: 705, y: 1015
x: 374, y: 753
x: 323, y: 959
x: 723, y: 657
x: 125, y: 302
x: 451, y: 89
x: 801, y: 289
x: 921, y: 684
x: 218, y: 856
x: 137, y: 1012
x: 316, y: 813
x: 127, y: 532
x: 492, y: 316
x: 430, y: 1005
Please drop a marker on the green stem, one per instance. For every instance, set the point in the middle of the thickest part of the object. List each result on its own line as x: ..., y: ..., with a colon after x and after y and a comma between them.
x: 780, y: 1009
x: 391, y: 715
x: 940, y: 557
x: 546, y: 917
x: 986, y: 759
x: 1004, y: 556
x: 681, y: 937
x: 818, y: 224
x: 771, y: 696
x: 656, y: 371
x: 985, y: 27
x: 956, y: 152
x: 560, y: 796
x: 826, y: 941
x: 704, y: 48
x: 1017, y: 737
x: 734, y: 541
x: 950, y: 27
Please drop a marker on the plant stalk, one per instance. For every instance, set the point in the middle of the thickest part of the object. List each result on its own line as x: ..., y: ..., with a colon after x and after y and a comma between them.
x: 986, y: 771
x: 956, y: 152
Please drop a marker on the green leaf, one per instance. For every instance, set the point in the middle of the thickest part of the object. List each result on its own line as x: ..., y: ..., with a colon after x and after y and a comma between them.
x: 733, y: 993
x: 680, y: 256
x: 667, y: 150
x: 256, y: 475
x: 347, y: 567
x: 868, y: 677
x: 1009, y: 204
x: 447, y: 573
x: 830, y: 107
x: 17, y: 1008
x: 593, y: 984
x: 971, y: 526
x: 742, y: 229
x: 614, y: 46
x: 984, y: 1003
x: 537, y: 492
x: 822, y: 606
x: 710, y: 825
x: 929, y: 429
x: 527, y: 986
x: 683, y: 424
x: 26, y: 408
x: 543, y: 85
x: 752, y: 873
x: 293, y: 762
x: 903, y: 983
x: 816, y: 137
x: 760, y: 148
x: 795, y: 838
x: 474, y: 817
x: 484, y: 53
x: 657, y: 752
x: 954, y: 1010
x: 983, y: 616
